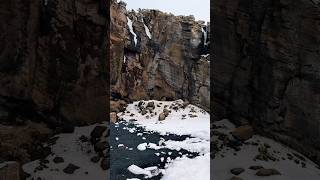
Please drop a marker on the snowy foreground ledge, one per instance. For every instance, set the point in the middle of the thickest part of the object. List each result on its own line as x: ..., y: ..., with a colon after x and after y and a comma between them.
x: 71, y: 150
x: 181, y: 119
x: 256, y: 153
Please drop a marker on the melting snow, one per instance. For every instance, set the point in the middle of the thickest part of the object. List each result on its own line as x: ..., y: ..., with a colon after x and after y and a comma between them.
x: 146, y: 29
x: 142, y: 147
x: 244, y: 158
x: 137, y: 170
x: 198, y: 126
x: 149, y: 172
x: 205, y: 55
x: 120, y: 145
x: 191, y: 121
x: 132, y: 32
x: 69, y: 147
x: 185, y: 168
x: 205, y: 34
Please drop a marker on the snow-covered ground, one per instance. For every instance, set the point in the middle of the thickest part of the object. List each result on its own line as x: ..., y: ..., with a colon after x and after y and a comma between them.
x: 185, y: 158
x: 178, y: 121
x: 291, y: 164
x: 183, y: 119
x: 73, y: 151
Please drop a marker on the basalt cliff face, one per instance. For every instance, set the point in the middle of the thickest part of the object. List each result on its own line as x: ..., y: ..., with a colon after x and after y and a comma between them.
x: 53, y: 72
x: 53, y: 60
x: 155, y: 55
x: 266, y: 69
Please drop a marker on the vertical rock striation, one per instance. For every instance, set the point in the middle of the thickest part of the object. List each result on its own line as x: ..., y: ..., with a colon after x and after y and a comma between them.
x: 53, y: 60
x: 266, y: 69
x: 156, y: 55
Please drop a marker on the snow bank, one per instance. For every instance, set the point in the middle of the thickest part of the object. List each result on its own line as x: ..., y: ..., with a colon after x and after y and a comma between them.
x: 149, y: 172
x: 188, y: 169
x: 192, y: 145
x: 198, y: 126
x: 188, y: 120
x: 137, y: 170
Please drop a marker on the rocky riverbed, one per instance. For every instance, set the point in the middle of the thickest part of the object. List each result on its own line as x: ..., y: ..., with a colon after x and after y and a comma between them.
x: 148, y: 140
x: 161, y: 140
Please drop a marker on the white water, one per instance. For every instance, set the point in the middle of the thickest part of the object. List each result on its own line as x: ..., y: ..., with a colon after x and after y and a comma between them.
x: 205, y: 34
x: 132, y: 32
x: 146, y: 29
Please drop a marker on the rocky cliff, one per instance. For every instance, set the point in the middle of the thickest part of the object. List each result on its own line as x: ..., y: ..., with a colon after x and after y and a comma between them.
x: 266, y: 68
x: 53, y: 60
x: 156, y: 55
x: 53, y: 71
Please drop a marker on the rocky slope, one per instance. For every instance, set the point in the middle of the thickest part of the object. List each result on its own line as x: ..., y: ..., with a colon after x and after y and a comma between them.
x: 266, y: 68
x: 155, y: 55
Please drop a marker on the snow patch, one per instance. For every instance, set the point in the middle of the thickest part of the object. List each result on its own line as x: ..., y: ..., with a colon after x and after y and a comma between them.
x: 131, y: 31
x: 245, y: 158
x: 142, y: 147
x: 138, y: 170
x: 149, y: 172
x: 205, y: 35
x: 198, y: 126
x: 188, y: 169
x: 146, y: 29
x: 205, y: 55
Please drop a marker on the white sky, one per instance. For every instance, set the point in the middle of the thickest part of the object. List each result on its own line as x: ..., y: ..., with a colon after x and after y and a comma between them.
x: 199, y: 8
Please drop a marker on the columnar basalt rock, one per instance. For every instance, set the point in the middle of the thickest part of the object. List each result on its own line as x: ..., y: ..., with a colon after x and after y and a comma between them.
x: 157, y: 55
x: 266, y: 68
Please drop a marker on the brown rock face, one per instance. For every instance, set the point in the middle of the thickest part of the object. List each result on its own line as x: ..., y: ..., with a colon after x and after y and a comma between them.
x: 53, y: 59
x: 113, y: 117
x: 11, y: 171
x: 266, y: 68
x: 21, y: 142
x: 159, y: 56
x: 243, y: 132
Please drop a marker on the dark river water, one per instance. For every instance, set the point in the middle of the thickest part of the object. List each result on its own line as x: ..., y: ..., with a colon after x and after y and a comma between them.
x: 122, y: 158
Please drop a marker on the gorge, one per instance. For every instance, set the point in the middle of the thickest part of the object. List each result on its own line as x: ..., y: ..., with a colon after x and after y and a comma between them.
x: 70, y: 68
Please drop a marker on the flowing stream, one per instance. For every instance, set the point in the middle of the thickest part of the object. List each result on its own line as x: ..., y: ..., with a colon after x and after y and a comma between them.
x: 124, y: 150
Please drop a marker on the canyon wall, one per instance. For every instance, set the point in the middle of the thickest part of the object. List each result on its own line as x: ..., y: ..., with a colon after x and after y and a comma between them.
x: 266, y: 69
x: 156, y: 55
x: 53, y: 60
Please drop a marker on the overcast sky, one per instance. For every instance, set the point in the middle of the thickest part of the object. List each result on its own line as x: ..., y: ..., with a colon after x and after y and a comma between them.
x: 199, y: 8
